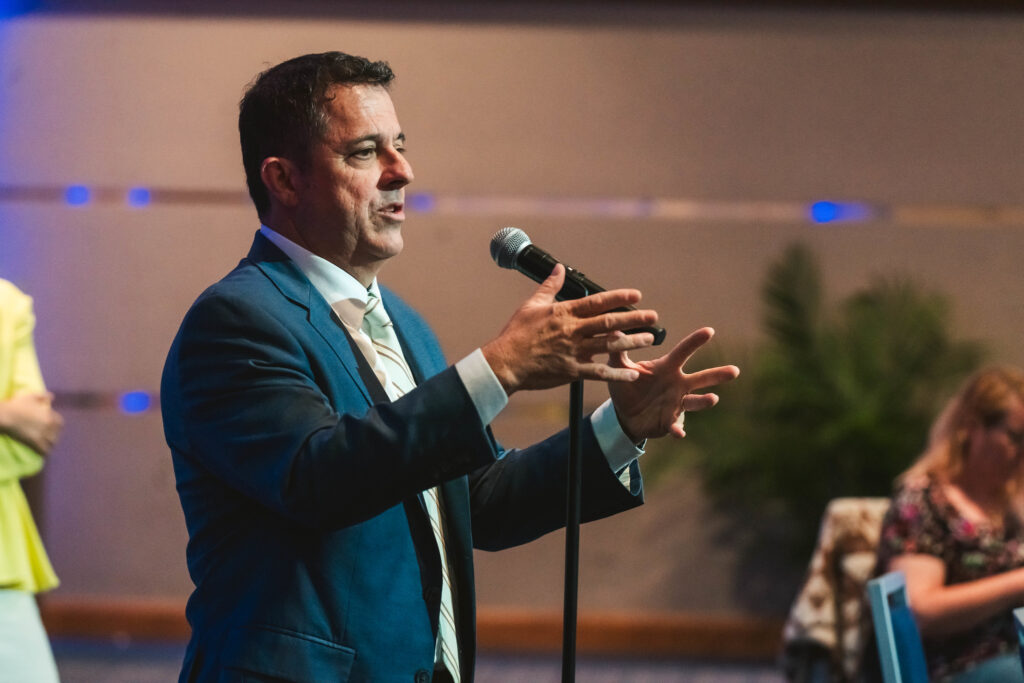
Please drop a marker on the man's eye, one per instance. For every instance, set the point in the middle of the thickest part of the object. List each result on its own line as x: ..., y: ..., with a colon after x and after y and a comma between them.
x: 363, y: 153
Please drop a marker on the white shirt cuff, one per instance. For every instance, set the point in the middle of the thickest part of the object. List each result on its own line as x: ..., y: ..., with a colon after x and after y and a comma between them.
x: 483, y: 386
x: 616, y: 446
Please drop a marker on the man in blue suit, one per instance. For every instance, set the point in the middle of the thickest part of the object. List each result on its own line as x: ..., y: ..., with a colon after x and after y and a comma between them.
x: 336, y: 479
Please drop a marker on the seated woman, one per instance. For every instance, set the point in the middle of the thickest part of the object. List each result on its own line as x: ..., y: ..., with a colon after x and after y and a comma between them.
x: 956, y: 529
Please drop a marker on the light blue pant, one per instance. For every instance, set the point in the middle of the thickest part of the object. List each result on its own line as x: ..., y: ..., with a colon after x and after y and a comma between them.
x: 25, y: 654
x: 1002, y: 669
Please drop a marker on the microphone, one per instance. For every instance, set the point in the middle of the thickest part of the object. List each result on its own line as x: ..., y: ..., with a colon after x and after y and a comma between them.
x: 511, y: 248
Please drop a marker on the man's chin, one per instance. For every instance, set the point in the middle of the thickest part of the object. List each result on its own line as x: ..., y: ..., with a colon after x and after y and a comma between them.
x: 391, y: 247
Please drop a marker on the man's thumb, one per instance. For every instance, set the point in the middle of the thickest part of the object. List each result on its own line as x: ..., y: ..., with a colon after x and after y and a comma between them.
x: 552, y: 284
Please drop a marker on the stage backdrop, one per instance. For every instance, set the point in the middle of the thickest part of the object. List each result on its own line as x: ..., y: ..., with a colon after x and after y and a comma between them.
x: 678, y: 151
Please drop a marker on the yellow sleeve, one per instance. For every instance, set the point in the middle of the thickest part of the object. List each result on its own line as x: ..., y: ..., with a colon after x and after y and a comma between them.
x: 23, y: 561
x: 19, y: 373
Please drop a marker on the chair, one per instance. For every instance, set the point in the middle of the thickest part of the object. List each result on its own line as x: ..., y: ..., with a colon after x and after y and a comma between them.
x: 823, y: 638
x: 1018, y: 621
x: 899, y: 640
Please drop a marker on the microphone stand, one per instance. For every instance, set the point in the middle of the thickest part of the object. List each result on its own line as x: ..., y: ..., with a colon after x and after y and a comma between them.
x: 572, y: 531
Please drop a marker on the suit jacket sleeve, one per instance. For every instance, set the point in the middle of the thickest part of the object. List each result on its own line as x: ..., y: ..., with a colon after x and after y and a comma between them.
x: 522, y: 496
x: 249, y: 396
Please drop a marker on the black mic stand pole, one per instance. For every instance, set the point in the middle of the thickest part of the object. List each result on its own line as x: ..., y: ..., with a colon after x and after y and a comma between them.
x: 572, y: 531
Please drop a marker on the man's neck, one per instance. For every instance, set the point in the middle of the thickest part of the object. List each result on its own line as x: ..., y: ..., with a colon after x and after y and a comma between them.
x: 364, y: 273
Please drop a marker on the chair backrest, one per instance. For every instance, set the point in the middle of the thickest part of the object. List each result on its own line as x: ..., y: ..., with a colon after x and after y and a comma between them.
x: 899, y: 641
x: 1018, y: 621
x: 824, y: 623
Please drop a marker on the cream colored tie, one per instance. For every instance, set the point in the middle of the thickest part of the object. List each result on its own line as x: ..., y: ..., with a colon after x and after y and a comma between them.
x: 398, y: 381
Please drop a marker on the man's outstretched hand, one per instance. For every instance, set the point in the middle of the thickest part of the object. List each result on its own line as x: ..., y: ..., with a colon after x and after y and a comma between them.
x: 653, y: 404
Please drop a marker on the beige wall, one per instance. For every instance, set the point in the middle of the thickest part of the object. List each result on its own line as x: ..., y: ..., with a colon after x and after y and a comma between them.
x: 748, y: 115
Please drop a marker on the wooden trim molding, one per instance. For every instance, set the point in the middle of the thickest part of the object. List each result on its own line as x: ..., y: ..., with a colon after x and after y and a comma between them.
x: 143, y: 619
x: 499, y: 630
x: 645, y: 634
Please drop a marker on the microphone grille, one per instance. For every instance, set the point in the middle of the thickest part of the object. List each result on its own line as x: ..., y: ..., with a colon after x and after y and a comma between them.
x: 506, y: 245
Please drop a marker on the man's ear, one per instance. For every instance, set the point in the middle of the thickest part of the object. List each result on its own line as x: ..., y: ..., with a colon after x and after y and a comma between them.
x: 281, y: 178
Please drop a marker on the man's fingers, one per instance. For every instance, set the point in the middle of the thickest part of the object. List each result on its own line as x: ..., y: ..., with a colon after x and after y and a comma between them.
x: 623, y: 359
x: 620, y: 359
x: 678, y: 426
x: 615, y: 344
x: 610, y: 322
x: 626, y: 342
x: 712, y: 376
x: 694, y: 402
x: 595, y: 304
x: 606, y: 373
x: 686, y: 348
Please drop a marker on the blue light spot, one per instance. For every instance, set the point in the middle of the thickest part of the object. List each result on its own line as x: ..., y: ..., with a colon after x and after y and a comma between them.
x: 421, y: 202
x: 134, y: 402
x: 10, y: 8
x: 831, y: 212
x: 824, y: 212
x: 139, y: 196
x: 77, y: 195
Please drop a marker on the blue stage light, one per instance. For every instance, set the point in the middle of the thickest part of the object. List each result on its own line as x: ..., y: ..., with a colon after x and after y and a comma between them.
x: 77, y: 195
x: 10, y: 8
x: 134, y: 402
x: 139, y: 196
x: 824, y: 212
x: 831, y: 212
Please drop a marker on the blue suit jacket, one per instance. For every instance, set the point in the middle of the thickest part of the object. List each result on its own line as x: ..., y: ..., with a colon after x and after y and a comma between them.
x: 311, y: 554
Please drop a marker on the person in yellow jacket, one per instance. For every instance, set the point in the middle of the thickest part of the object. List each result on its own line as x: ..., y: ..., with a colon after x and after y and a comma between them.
x: 28, y: 430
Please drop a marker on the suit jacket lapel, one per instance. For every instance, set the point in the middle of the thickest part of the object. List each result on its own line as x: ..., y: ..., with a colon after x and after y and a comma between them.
x: 287, y: 277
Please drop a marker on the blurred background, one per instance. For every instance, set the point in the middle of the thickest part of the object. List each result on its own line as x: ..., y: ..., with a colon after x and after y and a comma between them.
x: 835, y: 187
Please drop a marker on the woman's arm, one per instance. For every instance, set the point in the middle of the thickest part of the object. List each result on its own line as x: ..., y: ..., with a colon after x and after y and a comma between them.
x: 30, y: 419
x: 944, y: 610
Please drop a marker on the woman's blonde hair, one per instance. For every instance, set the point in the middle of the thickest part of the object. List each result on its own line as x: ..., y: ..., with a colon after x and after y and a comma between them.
x: 985, y: 397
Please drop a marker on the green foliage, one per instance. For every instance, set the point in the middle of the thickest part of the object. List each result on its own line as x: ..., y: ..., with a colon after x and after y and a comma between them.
x: 837, y: 401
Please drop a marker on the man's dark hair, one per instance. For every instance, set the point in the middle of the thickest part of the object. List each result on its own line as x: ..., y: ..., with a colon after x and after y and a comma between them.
x: 284, y: 111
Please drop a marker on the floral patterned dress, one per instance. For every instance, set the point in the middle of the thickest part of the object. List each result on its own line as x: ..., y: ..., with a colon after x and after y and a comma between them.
x: 923, y: 521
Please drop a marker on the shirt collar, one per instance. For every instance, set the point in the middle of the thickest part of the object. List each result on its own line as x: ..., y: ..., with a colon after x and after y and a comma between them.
x: 345, y: 294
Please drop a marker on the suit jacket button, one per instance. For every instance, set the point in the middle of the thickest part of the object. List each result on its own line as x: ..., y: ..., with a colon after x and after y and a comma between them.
x: 422, y: 676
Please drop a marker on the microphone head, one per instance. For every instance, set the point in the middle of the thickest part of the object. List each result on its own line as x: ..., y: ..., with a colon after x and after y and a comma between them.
x: 506, y: 245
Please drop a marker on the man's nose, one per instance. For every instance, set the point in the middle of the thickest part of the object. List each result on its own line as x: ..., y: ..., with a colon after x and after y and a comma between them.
x: 397, y: 171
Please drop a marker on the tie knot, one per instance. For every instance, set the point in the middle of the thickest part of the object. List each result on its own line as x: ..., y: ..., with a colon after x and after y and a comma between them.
x: 375, y: 316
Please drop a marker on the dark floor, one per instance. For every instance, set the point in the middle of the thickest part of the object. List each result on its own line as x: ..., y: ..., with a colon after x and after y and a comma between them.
x: 93, y: 661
